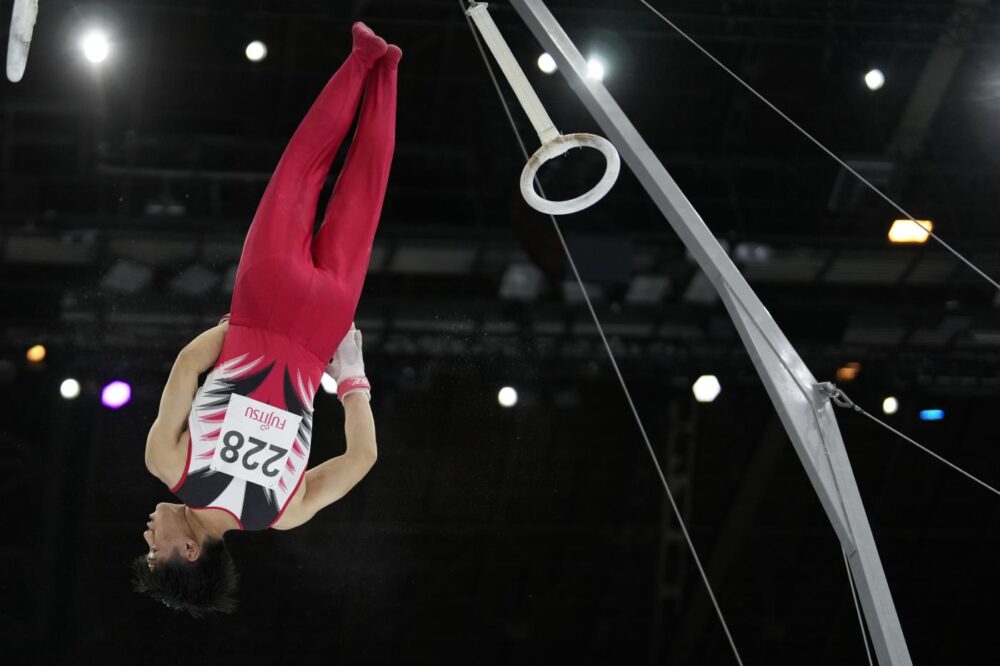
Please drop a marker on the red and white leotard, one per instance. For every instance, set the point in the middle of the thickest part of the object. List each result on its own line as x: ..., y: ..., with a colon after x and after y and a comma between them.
x: 296, y: 294
x: 267, y: 367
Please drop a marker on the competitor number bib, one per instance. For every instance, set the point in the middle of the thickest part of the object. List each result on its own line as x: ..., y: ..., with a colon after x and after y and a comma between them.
x: 255, y: 441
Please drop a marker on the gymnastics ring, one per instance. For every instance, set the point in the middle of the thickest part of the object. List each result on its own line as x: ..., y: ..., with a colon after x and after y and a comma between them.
x: 560, y: 146
x: 554, y: 144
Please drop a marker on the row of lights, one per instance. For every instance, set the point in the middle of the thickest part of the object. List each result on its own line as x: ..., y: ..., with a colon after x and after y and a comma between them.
x: 117, y: 394
x: 595, y: 66
x: 114, y: 395
x: 96, y: 47
x: 706, y: 389
x: 874, y: 79
x: 890, y: 405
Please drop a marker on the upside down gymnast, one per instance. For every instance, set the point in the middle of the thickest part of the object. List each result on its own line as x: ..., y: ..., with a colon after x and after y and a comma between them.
x: 235, y: 450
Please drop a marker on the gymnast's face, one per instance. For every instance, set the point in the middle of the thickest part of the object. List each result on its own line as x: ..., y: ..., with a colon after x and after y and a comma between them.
x: 168, y: 534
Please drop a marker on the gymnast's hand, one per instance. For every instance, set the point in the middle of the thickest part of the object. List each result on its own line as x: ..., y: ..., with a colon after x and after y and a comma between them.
x: 348, y: 366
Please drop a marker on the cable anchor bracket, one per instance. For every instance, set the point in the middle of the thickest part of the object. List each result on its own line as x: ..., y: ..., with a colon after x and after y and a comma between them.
x: 836, y: 395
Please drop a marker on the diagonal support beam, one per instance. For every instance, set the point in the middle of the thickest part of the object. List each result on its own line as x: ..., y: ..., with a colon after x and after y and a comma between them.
x: 815, y: 423
x: 806, y: 414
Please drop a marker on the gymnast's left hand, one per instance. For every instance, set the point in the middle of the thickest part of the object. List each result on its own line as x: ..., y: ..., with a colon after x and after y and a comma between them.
x: 348, y: 366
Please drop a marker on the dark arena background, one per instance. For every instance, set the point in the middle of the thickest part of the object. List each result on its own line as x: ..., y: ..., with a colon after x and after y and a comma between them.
x: 537, y: 533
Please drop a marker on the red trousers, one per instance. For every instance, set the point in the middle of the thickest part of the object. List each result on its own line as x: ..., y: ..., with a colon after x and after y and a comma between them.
x: 290, y: 284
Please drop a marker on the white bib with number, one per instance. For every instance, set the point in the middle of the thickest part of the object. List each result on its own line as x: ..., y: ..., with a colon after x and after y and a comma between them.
x: 255, y: 441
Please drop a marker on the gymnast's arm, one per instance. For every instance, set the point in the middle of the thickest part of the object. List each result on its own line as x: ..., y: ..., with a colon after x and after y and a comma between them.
x: 328, y: 482
x: 175, y: 404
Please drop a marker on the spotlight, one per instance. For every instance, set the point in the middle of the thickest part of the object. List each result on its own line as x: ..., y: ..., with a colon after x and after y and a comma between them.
x: 875, y: 79
x: 546, y: 63
x: 931, y: 414
x: 116, y: 395
x: 890, y: 405
x: 595, y: 69
x: 328, y: 383
x: 706, y: 388
x: 256, y: 51
x: 849, y: 372
x: 70, y: 388
x: 36, y: 354
x: 95, y: 46
x: 905, y: 231
x: 507, y: 397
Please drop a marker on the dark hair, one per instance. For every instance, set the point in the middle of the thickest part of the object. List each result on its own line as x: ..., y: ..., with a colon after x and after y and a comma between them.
x: 207, y: 585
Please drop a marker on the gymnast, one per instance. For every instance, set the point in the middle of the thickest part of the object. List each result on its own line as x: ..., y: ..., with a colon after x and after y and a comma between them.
x: 235, y: 450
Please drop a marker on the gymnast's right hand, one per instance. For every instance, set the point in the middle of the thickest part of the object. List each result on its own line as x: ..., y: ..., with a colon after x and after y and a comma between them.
x: 348, y: 366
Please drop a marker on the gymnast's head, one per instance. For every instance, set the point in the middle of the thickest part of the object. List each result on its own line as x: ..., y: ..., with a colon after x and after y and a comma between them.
x: 184, y: 568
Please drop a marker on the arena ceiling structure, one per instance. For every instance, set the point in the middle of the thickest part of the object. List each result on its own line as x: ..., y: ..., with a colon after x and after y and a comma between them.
x: 535, y: 532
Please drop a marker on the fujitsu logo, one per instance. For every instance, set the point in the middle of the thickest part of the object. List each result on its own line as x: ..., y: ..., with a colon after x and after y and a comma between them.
x: 267, y: 420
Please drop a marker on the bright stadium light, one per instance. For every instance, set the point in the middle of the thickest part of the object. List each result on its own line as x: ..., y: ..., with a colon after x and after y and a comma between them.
x: 905, y: 231
x: 95, y: 46
x: 890, y: 405
x: 596, y: 68
x: 849, y: 372
x: 547, y: 63
x: 931, y: 414
x: 706, y: 388
x: 69, y: 389
x: 36, y: 353
x: 874, y: 79
x: 116, y: 395
x: 507, y: 397
x: 256, y: 51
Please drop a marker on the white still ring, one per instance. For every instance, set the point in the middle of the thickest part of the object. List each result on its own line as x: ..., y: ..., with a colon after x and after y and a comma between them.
x: 557, y: 147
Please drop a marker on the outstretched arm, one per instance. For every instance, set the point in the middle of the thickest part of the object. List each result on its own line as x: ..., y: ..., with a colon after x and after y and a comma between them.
x: 196, y: 357
x: 328, y: 482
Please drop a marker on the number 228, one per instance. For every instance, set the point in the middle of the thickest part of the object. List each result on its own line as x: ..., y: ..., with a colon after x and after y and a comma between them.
x: 233, y: 441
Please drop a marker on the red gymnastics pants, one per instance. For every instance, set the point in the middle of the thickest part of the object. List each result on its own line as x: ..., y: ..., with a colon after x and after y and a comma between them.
x: 292, y: 287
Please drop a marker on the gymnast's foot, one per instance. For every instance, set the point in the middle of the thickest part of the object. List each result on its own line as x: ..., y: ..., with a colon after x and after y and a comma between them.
x: 369, y: 46
x: 392, y: 55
